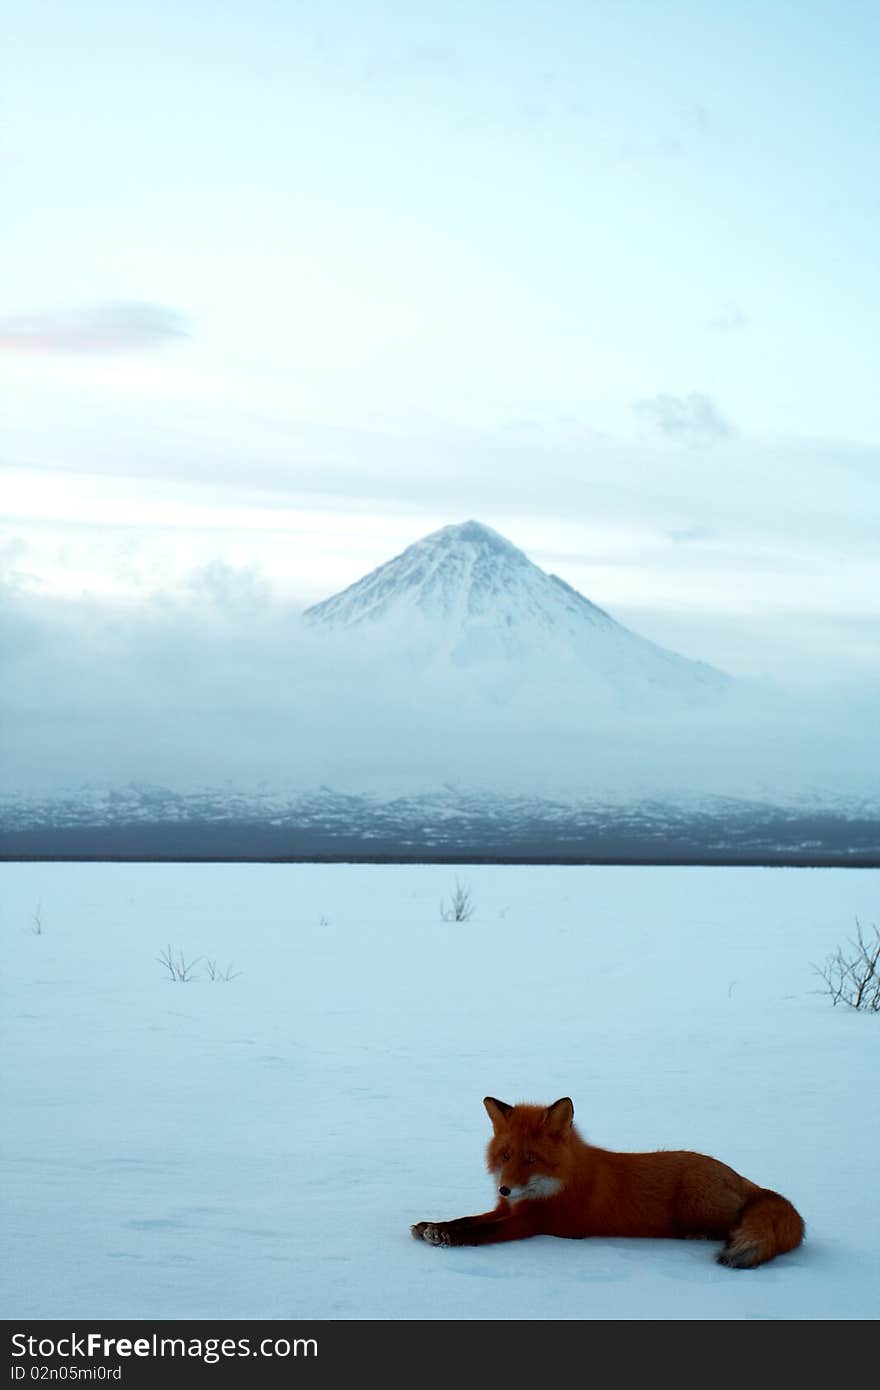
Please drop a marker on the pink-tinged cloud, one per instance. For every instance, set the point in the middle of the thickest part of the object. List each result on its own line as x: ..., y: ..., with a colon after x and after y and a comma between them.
x: 119, y: 326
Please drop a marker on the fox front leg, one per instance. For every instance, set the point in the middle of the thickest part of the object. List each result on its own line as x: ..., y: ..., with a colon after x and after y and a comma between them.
x: 459, y: 1232
x: 489, y: 1228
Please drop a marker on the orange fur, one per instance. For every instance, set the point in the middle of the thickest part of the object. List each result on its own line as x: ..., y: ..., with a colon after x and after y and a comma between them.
x: 552, y: 1182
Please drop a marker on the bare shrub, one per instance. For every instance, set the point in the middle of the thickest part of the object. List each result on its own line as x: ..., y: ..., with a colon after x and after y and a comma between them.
x: 37, y: 920
x: 216, y: 973
x: 461, y: 905
x: 852, y: 976
x: 178, y: 967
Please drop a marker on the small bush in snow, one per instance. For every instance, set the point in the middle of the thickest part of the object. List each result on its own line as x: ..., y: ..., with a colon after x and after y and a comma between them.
x: 178, y: 967
x: 37, y: 921
x: 461, y: 906
x: 216, y: 973
x: 853, y: 976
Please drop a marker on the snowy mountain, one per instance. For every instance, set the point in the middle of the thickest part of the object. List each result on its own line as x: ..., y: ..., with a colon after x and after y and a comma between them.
x: 457, y: 702
x: 466, y: 595
x: 356, y: 774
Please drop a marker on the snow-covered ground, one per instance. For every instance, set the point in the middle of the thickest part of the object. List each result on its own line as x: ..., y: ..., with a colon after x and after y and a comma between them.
x: 258, y: 1147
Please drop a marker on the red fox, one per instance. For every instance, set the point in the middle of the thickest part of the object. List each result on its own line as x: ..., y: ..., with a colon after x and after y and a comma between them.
x: 551, y: 1182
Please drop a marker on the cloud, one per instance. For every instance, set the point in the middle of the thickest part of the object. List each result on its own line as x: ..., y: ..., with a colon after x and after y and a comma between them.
x: 417, y: 61
x: 686, y: 535
x: 698, y: 117
x: 729, y: 319
x: 694, y: 419
x: 116, y: 326
x: 199, y: 692
x: 12, y: 552
x: 231, y: 587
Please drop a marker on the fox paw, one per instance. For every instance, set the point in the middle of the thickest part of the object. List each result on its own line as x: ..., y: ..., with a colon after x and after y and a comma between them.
x: 433, y: 1233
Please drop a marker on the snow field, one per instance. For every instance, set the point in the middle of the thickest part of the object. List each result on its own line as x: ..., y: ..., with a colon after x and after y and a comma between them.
x: 259, y: 1147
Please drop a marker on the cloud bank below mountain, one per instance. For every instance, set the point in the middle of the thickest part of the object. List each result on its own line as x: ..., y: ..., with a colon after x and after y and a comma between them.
x: 210, y: 694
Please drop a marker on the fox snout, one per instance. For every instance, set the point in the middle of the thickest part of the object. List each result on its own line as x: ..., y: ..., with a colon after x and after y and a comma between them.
x: 506, y: 1187
x: 538, y: 1185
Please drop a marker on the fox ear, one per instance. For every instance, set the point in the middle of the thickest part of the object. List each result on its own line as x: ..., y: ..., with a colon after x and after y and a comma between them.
x: 498, y: 1111
x: 559, y: 1115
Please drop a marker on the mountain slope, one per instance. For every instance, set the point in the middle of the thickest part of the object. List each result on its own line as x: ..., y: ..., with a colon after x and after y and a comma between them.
x: 466, y: 594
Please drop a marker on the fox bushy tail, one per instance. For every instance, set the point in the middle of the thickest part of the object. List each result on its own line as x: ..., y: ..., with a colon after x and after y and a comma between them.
x: 768, y: 1225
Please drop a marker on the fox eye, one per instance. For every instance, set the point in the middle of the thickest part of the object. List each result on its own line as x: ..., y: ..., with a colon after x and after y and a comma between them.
x: 530, y: 1158
x: 505, y: 1157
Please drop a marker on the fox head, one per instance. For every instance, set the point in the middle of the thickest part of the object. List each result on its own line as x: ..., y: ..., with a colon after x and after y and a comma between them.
x: 527, y: 1154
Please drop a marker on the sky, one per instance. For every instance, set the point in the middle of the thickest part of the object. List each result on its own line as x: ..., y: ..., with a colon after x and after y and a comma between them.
x: 287, y: 286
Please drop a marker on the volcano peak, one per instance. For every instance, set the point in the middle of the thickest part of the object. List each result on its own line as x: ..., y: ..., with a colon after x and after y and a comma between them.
x: 466, y: 594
